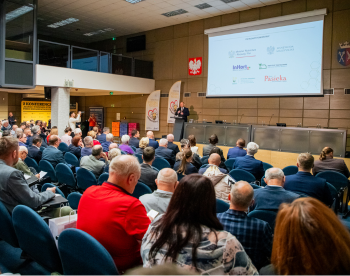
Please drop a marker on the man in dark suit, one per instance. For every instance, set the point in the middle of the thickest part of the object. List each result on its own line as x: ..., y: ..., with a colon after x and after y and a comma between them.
x: 134, y: 140
x: 148, y: 174
x: 29, y: 135
x: 163, y: 152
x: 182, y: 111
x: 102, y: 137
x: 238, y: 150
x: 52, y: 154
x: 171, y: 145
x: 152, y: 143
x: 249, y: 163
x: 34, y: 151
x: 305, y: 184
x: 273, y: 195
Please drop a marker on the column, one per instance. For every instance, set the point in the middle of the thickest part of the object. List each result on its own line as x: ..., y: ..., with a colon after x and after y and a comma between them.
x: 60, y: 102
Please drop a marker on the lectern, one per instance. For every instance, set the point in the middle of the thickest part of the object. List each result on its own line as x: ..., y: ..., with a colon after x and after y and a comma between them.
x: 178, y: 128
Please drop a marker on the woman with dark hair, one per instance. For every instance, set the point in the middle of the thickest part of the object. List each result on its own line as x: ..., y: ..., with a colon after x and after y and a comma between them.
x: 196, y: 160
x: 190, y: 235
x: 213, y: 140
x: 76, y: 146
x: 309, y: 239
x: 326, y: 162
x: 184, y: 166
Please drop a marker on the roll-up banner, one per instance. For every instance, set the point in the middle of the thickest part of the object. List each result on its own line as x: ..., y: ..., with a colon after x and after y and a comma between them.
x: 152, y: 111
x: 173, y: 101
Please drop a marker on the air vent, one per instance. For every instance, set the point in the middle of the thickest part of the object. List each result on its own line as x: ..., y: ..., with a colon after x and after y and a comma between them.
x: 346, y: 91
x: 164, y: 95
x: 173, y: 13
x: 187, y: 94
x: 328, y: 91
x: 201, y: 94
x: 229, y: 1
x: 203, y: 6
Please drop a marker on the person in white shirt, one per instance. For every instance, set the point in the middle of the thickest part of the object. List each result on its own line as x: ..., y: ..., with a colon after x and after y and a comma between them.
x: 72, y: 120
x: 67, y: 138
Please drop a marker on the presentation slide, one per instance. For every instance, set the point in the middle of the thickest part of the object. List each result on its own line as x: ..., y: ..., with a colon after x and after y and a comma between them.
x: 279, y: 61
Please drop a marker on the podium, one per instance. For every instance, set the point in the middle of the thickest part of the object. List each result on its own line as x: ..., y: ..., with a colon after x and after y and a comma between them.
x: 178, y: 128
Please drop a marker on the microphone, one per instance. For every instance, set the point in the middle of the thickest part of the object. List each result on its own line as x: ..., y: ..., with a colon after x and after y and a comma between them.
x: 241, y: 118
x: 270, y: 119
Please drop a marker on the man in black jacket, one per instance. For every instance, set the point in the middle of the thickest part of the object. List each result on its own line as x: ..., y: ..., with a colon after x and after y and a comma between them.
x: 183, y: 111
x: 34, y: 151
x: 134, y: 140
x: 148, y: 174
x: 165, y: 153
x: 171, y: 145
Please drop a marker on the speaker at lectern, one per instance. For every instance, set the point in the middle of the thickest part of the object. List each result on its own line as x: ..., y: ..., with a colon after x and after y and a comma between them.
x: 178, y: 128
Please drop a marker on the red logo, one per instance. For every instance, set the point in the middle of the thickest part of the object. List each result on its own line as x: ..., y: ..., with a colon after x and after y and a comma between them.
x: 275, y: 79
x: 152, y: 114
x: 173, y: 106
x: 195, y: 66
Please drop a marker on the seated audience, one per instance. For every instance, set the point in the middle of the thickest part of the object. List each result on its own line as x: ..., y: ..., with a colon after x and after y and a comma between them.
x: 86, y: 151
x: 92, y: 134
x: 134, y: 140
x: 67, y: 138
x: 193, y: 144
x: 22, y: 138
x: 96, y: 130
x: 171, y: 145
x: 21, y: 165
x: 77, y: 132
x: 6, y: 133
x: 109, y: 140
x: 29, y: 134
x: 305, y: 184
x: 148, y: 174
x: 142, y: 145
x: 272, y: 195
x: 34, y: 151
x: 52, y: 154
x: 102, y: 137
x: 238, y: 150
x: 163, y: 152
x: 111, y: 155
x: 326, y: 162
x: 113, y: 146
x: 184, y: 166
x: 196, y: 160
x: 14, y: 189
x: 159, y: 200
x: 309, y: 239
x: 120, y: 234
x: 213, y: 140
x: 219, y: 151
x: 190, y: 235
x: 92, y: 163
x: 125, y: 145
x: 255, y: 235
x: 249, y: 163
x: 13, y: 131
x: 213, y: 160
x: 152, y: 142
x: 44, y: 128
x: 76, y: 146
x: 21, y: 125
x: 5, y: 125
x: 54, y: 131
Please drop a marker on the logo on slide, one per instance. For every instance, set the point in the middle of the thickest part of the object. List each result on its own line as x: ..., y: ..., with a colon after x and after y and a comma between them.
x: 240, y: 67
x: 344, y: 53
x: 275, y: 79
x: 231, y: 54
x: 262, y: 66
x: 234, y: 80
x: 270, y: 50
x: 152, y: 115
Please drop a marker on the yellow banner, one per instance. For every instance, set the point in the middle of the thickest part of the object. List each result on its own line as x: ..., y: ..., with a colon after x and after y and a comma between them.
x: 32, y: 110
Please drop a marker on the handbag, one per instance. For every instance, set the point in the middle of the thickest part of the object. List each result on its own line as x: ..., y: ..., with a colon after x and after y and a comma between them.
x: 58, y: 225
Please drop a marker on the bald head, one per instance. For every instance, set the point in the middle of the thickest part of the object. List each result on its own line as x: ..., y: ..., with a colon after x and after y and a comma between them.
x: 167, y: 180
x: 150, y: 134
x: 113, y: 146
x: 170, y: 137
x: 241, y: 196
x: 214, y: 159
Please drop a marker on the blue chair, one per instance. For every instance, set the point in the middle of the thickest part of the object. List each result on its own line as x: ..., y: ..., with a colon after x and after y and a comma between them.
x: 71, y: 159
x: 47, y: 167
x: 123, y: 152
x: 289, y: 170
x: 35, y: 238
x: 103, y: 177
x: 268, y: 216
x: 139, y: 157
x: 267, y: 166
x: 141, y: 189
x: 160, y: 163
x: 81, y: 254
x: 262, y: 182
x: 204, y: 160
x: 65, y: 176
x: 63, y: 147
x: 49, y: 185
x: 338, y: 180
x: 85, y: 179
x: 221, y: 206
x: 32, y: 163
x: 154, y: 168
x: 7, y: 232
x: 255, y: 186
x: 180, y: 176
x: 229, y: 163
x: 133, y: 148
x: 333, y: 190
x: 238, y: 175
x: 73, y: 200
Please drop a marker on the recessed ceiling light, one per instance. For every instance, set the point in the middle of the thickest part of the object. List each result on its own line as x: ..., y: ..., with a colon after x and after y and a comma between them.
x: 203, y: 6
x: 18, y: 12
x: 99, y: 32
x: 134, y: 1
x: 173, y: 13
x: 63, y: 23
x: 229, y: 1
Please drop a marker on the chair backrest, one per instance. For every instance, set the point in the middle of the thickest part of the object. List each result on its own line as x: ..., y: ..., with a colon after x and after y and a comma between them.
x: 141, y: 189
x: 47, y: 167
x: 82, y: 254
x: 49, y: 185
x: 333, y: 190
x: 7, y: 232
x: 204, y: 160
x: 255, y: 186
x: 133, y: 148
x: 221, y: 206
x: 229, y: 163
x: 289, y: 170
x: 160, y: 163
x: 238, y: 175
x: 154, y: 168
x: 262, y: 182
x: 337, y: 179
x: 71, y: 159
x: 268, y: 216
x: 103, y: 177
x: 65, y: 176
x: 85, y: 179
x: 123, y: 152
x: 267, y: 166
x: 35, y: 238
x: 63, y: 147
x: 32, y: 163
x: 73, y: 199
x: 139, y: 157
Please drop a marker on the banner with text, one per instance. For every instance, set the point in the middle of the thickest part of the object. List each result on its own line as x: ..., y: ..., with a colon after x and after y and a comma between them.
x: 32, y: 110
x: 152, y: 111
x: 173, y: 101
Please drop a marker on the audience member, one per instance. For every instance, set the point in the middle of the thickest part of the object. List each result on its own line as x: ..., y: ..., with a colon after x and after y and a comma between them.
x: 190, y: 235
x: 76, y: 146
x: 87, y: 149
x: 21, y: 165
x: 111, y: 155
x: 22, y: 126
x: 196, y: 160
x: 93, y: 136
x: 31, y: 123
x: 109, y: 140
x: 44, y: 128
x: 92, y: 121
x: 34, y: 151
x: 213, y: 160
x: 273, y: 195
x: 326, y: 162
x: 152, y: 142
x: 238, y: 150
x: 255, y: 235
x: 305, y: 184
x: 5, y: 125
x: 28, y: 134
x: 213, y: 140
x: 52, y: 154
x: 171, y: 145
x: 134, y: 140
x: 163, y: 152
x: 249, y: 163
x: 11, y: 119
x: 6, y: 133
x: 113, y: 146
x: 185, y: 166
x: 159, y: 200
x: 309, y: 239
x: 92, y: 163
x: 13, y: 131
x: 14, y: 189
x: 73, y: 120
x: 221, y: 154
x: 120, y: 234
x: 148, y: 174
x: 102, y: 137
x: 54, y: 131
x: 193, y: 144
x: 125, y: 145
x: 96, y: 129
x: 144, y: 142
x: 22, y: 138
x: 77, y: 132
x: 67, y: 138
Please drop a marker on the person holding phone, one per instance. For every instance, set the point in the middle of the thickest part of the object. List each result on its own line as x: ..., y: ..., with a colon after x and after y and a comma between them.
x: 92, y: 121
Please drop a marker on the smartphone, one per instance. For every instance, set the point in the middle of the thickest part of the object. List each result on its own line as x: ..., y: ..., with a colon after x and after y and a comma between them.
x: 153, y: 214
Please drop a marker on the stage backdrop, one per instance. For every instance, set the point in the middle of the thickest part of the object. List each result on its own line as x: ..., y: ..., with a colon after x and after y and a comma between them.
x: 33, y: 110
x: 152, y: 111
x: 174, y: 101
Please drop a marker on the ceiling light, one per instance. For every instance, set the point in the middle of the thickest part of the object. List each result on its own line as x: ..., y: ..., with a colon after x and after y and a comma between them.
x: 173, y: 13
x: 63, y: 23
x: 99, y: 32
x: 229, y: 1
x: 18, y: 12
x: 203, y: 6
x: 133, y: 1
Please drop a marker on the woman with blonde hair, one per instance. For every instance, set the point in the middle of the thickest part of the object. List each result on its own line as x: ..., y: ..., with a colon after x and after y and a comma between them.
x: 144, y: 142
x: 92, y: 134
x: 184, y: 166
x: 309, y: 239
x: 54, y: 131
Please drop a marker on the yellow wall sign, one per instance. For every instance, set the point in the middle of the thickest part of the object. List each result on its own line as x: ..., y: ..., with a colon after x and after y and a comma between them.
x: 32, y: 110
